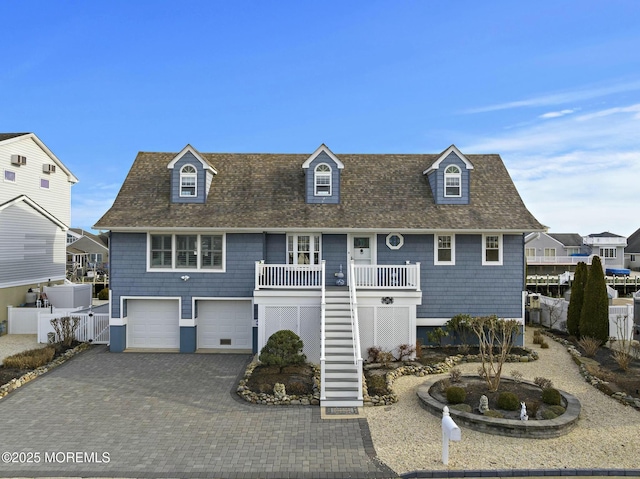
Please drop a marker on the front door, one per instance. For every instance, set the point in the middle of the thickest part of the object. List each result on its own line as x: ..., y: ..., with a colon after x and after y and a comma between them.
x: 362, y: 252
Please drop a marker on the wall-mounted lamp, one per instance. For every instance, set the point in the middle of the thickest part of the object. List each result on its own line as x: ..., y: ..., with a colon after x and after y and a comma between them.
x: 184, y: 278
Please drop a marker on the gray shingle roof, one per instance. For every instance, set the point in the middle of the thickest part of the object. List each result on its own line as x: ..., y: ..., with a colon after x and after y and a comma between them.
x: 266, y: 192
x: 633, y: 242
x: 8, y: 136
x: 567, y: 239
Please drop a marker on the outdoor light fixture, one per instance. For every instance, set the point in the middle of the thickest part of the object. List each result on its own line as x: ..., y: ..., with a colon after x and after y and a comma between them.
x: 184, y: 278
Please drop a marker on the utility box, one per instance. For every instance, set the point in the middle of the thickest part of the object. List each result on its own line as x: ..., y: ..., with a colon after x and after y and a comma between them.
x: 534, y: 301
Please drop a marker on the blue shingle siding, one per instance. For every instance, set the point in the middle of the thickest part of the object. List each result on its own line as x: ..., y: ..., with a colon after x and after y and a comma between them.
x: 334, y: 252
x: 201, y: 197
x: 436, y: 181
x: 335, y: 181
x: 276, y: 246
x: 130, y: 278
x: 471, y: 288
x: 468, y: 286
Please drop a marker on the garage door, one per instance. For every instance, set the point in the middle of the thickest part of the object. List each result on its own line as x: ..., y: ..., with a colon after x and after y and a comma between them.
x: 153, y: 323
x: 225, y: 324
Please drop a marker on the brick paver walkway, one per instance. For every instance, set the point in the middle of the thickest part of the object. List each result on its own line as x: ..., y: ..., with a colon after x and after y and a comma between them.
x: 170, y: 415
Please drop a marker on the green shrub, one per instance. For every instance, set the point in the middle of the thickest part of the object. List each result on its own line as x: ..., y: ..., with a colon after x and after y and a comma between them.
x: 548, y: 414
x: 508, y: 401
x: 594, y: 316
x: 577, y: 299
x: 494, y: 414
x: 32, y: 359
x: 283, y: 348
x: 551, y: 396
x: 461, y: 407
x: 103, y: 293
x: 558, y: 410
x: 456, y: 395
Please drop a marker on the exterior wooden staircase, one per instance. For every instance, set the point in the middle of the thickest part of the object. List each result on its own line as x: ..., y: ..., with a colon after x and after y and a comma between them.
x: 342, y: 374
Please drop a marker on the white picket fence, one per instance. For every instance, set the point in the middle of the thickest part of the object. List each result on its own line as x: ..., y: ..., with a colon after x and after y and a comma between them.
x: 92, y: 327
x: 553, y: 313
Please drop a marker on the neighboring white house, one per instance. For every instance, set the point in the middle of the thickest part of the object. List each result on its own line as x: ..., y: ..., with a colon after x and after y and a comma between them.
x: 35, y: 213
x: 609, y: 246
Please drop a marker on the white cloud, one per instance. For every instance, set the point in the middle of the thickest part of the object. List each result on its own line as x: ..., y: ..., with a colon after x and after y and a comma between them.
x: 556, y: 114
x: 576, y: 173
x: 561, y: 98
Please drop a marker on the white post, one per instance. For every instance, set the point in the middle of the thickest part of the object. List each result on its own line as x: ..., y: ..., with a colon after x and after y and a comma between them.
x: 450, y: 432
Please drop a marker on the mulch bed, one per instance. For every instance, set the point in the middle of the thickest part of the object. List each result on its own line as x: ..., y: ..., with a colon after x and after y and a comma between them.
x: 297, y: 380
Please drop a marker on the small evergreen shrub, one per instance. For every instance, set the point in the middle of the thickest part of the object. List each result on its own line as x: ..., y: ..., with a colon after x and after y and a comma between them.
x: 283, y: 348
x: 548, y: 414
x: 508, y: 401
x: 494, y: 414
x: 558, y: 410
x: 103, y: 293
x: 462, y: 407
x: 456, y: 395
x: 551, y: 396
x: 31, y: 359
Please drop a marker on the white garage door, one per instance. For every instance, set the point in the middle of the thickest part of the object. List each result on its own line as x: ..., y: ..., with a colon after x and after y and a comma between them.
x: 225, y: 324
x: 153, y: 323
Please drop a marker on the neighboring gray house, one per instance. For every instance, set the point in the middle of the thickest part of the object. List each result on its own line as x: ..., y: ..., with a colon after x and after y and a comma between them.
x: 35, y: 211
x: 632, y: 251
x: 555, y: 253
x: 86, y: 253
x: 218, y: 251
x: 610, y: 247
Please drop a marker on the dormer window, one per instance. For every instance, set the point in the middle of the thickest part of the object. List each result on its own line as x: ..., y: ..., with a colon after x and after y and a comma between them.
x: 452, y: 181
x: 188, y: 181
x: 322, y: 180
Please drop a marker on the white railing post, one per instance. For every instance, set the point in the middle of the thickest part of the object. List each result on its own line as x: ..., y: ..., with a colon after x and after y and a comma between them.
x: 257, y: 273
x: 355, y: 328
x: 323, y: 381
x: 450, y: 432
x: 418, y: 277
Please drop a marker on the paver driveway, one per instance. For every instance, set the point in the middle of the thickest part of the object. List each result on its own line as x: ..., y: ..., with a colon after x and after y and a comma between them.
x: 170, y: 415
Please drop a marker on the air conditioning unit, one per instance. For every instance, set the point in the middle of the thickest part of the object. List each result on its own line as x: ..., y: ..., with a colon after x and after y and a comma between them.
x: 18, y: 160
x: 49, y: 168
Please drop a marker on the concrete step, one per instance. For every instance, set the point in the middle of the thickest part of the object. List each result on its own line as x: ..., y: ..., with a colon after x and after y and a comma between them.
x: 344, y: 402
x: 341, y: 392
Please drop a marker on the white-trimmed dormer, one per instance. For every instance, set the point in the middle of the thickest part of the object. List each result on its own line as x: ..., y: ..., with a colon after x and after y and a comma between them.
x: 449, y: 178
x: 191, y: 176
x: 322, y: 176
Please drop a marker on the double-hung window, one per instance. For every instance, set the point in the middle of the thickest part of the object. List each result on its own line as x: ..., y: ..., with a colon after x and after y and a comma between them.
x: 550, y: 252
x: 491, y: 249
x: 608, y: 253
x: 188, y: 181
x: 530, y: 252
x: 201, y: 252
x: 445, y: 246
x: 322, y: 180
x: 452, y: 181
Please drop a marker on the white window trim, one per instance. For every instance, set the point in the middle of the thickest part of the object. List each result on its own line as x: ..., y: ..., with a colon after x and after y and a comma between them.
x: 484, y: 250
x: 198, y: 268
x: 604, y: 249
x: 189, y: 175
x: 530, y: 250
x: 316, y: 175
x: 457, y: 175
x: 388, y: 241
x: 453, y: 249
x: 311, y: 247
x: 549, y: 250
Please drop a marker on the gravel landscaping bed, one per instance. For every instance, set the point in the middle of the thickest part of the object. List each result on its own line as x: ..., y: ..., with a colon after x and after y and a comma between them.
x: 408, y: 438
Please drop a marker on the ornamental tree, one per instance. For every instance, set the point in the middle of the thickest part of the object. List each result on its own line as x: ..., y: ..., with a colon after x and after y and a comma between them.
x: 576, y: 299
x: 594, y: 317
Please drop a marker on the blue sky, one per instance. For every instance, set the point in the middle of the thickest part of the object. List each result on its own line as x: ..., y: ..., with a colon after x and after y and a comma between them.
x: 552, y: 86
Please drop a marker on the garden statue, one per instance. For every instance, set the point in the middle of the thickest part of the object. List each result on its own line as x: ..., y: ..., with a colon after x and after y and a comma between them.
x: 523, y: 412
x: 484, y: 404
x: 279, y: 390
x: 340, y: 277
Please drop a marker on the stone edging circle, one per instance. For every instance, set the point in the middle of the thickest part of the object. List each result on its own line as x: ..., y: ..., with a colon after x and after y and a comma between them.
x: 31, y: 375
x: 534, y: 429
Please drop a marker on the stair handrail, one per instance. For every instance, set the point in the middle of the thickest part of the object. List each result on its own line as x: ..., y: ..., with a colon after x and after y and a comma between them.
x: 355, y: 327
x: 322, y: 333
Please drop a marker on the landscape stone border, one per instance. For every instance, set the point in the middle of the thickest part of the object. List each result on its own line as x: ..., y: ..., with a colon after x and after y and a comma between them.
x: 596, y: 382
x: 31, y: 375
x: 533, y: 429
x: 408, y: 368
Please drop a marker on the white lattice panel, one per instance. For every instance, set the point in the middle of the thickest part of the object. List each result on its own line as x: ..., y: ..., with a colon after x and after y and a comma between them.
x: 402, y: 333
x: 280, y: 317
x: 366, y: 321
x: 310, y: 332
x: 385, y: 334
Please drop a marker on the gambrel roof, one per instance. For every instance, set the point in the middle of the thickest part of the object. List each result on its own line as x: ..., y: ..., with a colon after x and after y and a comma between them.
x: 266, y: 192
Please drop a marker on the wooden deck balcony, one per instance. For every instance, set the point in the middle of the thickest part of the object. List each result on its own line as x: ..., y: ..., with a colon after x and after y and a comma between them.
x: 292, y: 276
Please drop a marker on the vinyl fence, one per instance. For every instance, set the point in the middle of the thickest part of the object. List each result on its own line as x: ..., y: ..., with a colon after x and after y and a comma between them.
x: 92, y: 327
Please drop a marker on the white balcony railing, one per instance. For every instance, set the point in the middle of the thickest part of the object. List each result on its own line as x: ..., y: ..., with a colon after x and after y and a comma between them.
x: 571, y: 260
x: 295, y: 276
